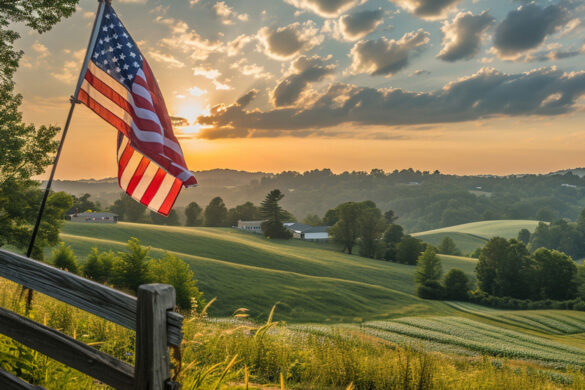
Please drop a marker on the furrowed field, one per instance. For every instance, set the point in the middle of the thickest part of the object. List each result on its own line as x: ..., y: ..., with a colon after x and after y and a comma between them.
x: 351, y: 322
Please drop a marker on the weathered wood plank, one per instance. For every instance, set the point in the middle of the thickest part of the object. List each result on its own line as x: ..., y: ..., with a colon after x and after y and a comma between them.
x: 67, y: 350
x: 82, y: 293
x: 11, y: 382
x: 152, y: 353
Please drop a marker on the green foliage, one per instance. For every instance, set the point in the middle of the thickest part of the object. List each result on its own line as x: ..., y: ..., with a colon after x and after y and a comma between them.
x: 347, y: 229
x: 274, y: 216
x: 476, y: 253
x: 560, y: 235
x: 456, y: 285
x: 171, y: 220
x: 408, y: 250
x: 428, y: 267
x: 524, y: 236
x: 64, y: 258
x: 448, y: 247
x: 372, y: 225
x: 98, y: 265
x: 330, y: 217
x: 244, y: 212
x: 393, y: 234
x: 216, y: 213
x: 504, y: 269
x: 193, y: 214
x: 390, y: 217
x: 313, y: 220
x: 555, y: 274
x: 172, y: 270
x: 83, y: 204
x: 128, y: 209
x: 130, y: 269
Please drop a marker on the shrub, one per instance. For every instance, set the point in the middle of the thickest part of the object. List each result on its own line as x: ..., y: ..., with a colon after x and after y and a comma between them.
x: 64, y: 258
x: 456, y: 285
x: 130, y: 269
x: 430, y: 290
x: 98, y: 266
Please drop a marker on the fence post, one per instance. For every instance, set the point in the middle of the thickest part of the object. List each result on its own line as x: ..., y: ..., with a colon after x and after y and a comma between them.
x: 152, y: 366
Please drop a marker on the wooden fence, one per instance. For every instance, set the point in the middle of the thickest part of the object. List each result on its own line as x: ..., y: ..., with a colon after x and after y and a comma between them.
x: 151, y: 315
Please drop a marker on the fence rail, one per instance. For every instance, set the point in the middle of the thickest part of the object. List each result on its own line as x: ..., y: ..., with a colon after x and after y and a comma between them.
x: 150, y: 315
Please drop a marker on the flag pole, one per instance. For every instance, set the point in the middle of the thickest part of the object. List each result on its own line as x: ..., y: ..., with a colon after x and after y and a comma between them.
x: 74, y: 101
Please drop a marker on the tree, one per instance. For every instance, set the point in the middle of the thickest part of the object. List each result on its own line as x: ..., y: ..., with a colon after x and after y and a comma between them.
x: 83, y: 204
x: 128, y: 209
x: 130, y: 269
x: 393, y: 234
x: 408, y: 250
x: 98, y: 266
x: 63, y: 257
x: 524, y: 236
x: 555, y: 275
x: 274, y: 216
x: 504, y: 269
x: 347, y: 229
x: 330, y: 217
x: 174, y: 271
x: 312, y: 220
x: 390, y: 217
x: 215, y: 213
x: 193, y: 214
x: 171, y: 220
x: 244, y: 212
x: 372, y: 226
x: 428, y: 267
x: 448, y: 247
x: 456, y: 285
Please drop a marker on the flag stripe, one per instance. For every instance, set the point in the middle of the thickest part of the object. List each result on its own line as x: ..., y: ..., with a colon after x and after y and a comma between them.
x: 165, y: 208
x: 137, y: 176
x: 145, y: 181
x: 162, y: 192
x: 128, y: 152
x: 153, y: 187
x: 130, y: 169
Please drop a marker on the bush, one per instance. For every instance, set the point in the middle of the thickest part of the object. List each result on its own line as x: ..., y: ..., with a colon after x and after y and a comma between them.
x: 174, y: 271
x: 456, y: 285
x: 430, y: 290
x: 64, y: 258
x: 98, y: 266
x: 130, y: 269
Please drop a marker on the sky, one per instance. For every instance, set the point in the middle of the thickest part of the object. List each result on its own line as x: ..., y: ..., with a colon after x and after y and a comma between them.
x: 462, y: 86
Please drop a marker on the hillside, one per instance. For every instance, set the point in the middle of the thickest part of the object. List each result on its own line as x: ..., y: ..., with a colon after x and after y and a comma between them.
x: 473, y: 235
x: 310, y: 281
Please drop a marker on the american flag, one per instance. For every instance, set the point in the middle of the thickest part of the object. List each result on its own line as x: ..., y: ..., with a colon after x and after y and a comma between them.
x: 119, y: 86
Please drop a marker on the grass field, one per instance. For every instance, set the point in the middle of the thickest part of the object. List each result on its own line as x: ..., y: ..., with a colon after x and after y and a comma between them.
x: 473, y: 235
x: 310, y: 281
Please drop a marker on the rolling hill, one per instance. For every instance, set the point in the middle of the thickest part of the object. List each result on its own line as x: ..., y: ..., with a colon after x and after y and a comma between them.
x: 473, y: 235
x: 310, y: 281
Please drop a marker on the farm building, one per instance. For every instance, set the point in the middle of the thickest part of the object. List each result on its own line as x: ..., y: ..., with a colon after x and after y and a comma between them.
x: 93, y: 217
x: 306, y: 232
x: 250, y: 226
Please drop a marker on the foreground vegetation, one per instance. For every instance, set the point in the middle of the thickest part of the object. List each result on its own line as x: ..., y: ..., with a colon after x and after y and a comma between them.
x: 235, y: 353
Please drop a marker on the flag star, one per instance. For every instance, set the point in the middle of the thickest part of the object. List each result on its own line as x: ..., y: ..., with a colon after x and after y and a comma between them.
x: 101, y: 42
x: 125, y: 67
x: 118, y: 46
x: 129, y: 45
x: 112, y: 25
x: 96, y: 55
x: 122, y: 79
x: 118, y: 69
x: 108, y: 71
x: 132, y: 54
x: 130, y: 77
x: 114, y: 59
x: 107, y: 39
x: 124, y: 35
x: 110, y: 49
x: 107, y: 16
x: 120, y: 25
x: 136, y: 65
x: 105, y: 62
x: 122, y: 56
x: 103, y: 52
x: 115, y: 36
x: 105, y: 29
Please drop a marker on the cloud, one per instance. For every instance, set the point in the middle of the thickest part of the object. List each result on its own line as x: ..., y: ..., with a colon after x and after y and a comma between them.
x: 253, y: 70
x: 386, y: 57
x: 487, y: 93
x: 326, y: 8
x: 427, y: 9
x: 246, y: 99
x: 168, y: 59
x: 177, y: 121
x: 462, y: 36
x: 526, y: 28
x: 221, y: 86
x: 554, y: 54
x: 69, y: 73
x: 360, y: 24
x: 187, y: 40
x: 227, y: 14
x: 196, y: 91
x: 207, y: 72
x: 235, y: 46
x: 302, y: 72
x: 289, y: 41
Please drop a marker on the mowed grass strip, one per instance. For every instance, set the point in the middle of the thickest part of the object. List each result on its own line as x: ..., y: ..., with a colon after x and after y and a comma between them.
x: 310, y: 281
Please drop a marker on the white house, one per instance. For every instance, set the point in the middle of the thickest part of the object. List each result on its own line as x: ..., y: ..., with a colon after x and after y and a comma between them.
x: 306, y: 232
x: 250, y: 226
x: 93, y: 217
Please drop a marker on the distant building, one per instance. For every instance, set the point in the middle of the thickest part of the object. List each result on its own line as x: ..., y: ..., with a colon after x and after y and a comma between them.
x: 93, y: 217
x: 250, y: 226
x: 568, y: 185
x: 307, y: 232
